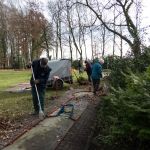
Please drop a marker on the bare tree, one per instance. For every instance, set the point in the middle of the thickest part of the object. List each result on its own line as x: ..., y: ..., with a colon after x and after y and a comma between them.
x: 3, y: 35
x: 133, y: 39
x: 70, y: 46
x: 48, y: 38
x: 56, y: 9
x: 103, y: 39
x: 71, y: 30
x: 23, y: 30
x: 114, y: 35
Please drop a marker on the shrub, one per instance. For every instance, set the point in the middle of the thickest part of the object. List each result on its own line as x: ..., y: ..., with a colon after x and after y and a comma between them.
x: 124, y: 115
x: 120, y: 66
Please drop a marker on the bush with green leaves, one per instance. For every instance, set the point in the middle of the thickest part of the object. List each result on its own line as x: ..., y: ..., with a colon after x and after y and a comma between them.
x: 124, y: 116
x: 137, y: 64
x: 120, y: 66
x: 75, y: 64
x: 142, y: 62
x: 118, y: 69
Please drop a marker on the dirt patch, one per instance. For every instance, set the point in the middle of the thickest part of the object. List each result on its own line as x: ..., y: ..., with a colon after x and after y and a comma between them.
x: 19, y: 88
x: 11, y: 130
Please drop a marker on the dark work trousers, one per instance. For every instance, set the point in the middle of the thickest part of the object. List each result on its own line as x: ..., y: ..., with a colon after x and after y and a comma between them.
x: 41, y: 91
x: 89, y: 76
x: 96, y: 83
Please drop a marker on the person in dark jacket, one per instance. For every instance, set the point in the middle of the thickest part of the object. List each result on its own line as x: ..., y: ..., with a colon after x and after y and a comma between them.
x: 96, y: 74
x: 88, y: 69
x: 41, y: 73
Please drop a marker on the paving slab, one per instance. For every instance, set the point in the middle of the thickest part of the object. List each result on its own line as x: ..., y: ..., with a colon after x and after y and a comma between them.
x: 44, y: 136
x: 80, y: 134
x: 48, y: 133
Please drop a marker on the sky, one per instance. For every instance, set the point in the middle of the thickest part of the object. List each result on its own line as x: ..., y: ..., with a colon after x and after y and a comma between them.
x: 145, y: 22
x: 145, y: 12
x: 145, y: 19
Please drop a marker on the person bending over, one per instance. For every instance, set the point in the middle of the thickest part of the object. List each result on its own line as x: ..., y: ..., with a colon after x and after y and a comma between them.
x: 41, y: 73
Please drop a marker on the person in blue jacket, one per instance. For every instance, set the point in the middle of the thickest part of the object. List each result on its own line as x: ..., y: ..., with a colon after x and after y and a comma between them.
x: 41, y: 73
x: 96, y: 74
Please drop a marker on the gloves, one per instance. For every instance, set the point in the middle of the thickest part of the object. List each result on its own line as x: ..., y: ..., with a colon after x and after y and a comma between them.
x: 36, y: 81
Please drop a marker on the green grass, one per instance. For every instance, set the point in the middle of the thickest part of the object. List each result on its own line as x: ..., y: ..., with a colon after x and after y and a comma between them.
x: 9, y: 78
x: 16, y: 105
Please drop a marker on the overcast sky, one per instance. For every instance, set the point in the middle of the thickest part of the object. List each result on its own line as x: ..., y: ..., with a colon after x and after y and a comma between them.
x: 145, y: 12
x: 145, y: 20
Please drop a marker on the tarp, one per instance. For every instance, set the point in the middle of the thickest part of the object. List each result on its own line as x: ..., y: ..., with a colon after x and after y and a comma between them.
x: 60, y: 68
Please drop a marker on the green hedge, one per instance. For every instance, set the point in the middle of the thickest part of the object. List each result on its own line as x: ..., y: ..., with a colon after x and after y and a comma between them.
x: 123, y: 121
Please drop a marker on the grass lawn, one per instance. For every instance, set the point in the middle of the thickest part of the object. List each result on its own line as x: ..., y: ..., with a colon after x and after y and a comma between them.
x: 9, y: 78
x: 13, y: 105
x: 16, y: 105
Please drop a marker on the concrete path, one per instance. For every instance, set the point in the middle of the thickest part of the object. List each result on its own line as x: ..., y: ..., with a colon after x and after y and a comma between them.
x: 44, y: 136
x: 22, y: 87
x: 80, y: 134
x: 50, y: 132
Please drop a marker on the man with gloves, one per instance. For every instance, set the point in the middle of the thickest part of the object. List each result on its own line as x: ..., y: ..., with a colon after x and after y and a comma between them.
x: 41, y: 73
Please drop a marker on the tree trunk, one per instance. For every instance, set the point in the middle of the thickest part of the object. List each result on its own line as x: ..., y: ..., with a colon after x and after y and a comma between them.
x: 103, y: 40
x: 57, y: 32
x: 70, y: 46
x: 92, y: 44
